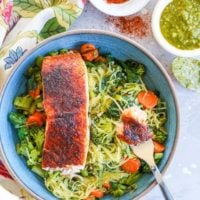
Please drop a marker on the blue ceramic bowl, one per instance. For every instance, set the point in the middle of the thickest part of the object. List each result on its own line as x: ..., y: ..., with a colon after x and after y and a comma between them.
x: 120, y: 47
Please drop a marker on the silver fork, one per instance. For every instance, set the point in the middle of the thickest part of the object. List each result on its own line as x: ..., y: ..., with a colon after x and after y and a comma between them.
x: 145, y: 152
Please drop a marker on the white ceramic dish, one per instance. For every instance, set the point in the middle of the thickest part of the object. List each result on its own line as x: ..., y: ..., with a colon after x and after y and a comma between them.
x: 160, y: 6
x: 122, y: 9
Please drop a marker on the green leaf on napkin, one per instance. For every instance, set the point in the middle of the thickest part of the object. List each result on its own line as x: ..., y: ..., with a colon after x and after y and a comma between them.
x: 66, y: 13
x: 51, y: 27
x: 27, y: 8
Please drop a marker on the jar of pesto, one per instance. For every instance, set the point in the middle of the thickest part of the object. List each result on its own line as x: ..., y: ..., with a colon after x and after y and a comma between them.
x: 180, y: 24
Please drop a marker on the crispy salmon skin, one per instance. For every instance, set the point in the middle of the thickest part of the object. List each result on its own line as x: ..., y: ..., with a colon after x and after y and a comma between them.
x: 65, y: 94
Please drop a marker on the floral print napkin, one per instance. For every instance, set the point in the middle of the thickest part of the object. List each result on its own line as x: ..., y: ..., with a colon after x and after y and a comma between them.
x: 23, y: 24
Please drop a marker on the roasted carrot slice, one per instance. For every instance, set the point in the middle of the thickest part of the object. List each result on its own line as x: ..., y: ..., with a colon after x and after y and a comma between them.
x: 97, y: 193
x: 35, y: 93
x: 132, y: 165
x: 37, y: 118
x: 87, y: 48
x: 106, y: 185
x: 148, y: 99
x: 90, y: 55
x: 158, y: 148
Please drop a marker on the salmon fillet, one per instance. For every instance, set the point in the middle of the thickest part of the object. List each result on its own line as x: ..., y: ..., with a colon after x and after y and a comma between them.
x: 65, y: 99
x: 134, y: 128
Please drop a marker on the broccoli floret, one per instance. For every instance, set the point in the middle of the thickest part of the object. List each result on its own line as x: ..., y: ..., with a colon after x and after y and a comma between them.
x: 136, y: 67
x: 37, y: 134
x: 23, y: 102
x: 38, y: 77
x: 38, y: 170
x: 159, y: 135
x: 39, y: 61
x: 117, y: 189
x: 131, y: 179
x: 33, y: 157
x: 17, y: 119
x: 25, y: 147
x: 158, y: 157
x: 133, y: 70
x: 39, y: 139
x: 39, y: 103
x: 53, y: 53
x: 90, y: 64
x: 32, y: 108
x: 62, y: 51
x: 22, y: 132
x: 22, y: 149
x: 31, y: 83
x: 124, y: 185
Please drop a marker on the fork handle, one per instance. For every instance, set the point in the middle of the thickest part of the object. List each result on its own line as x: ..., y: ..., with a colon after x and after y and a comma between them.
x: 165, y: 191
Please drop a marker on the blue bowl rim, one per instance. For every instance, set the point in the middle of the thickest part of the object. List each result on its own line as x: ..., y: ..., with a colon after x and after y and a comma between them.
x: 100, y: 32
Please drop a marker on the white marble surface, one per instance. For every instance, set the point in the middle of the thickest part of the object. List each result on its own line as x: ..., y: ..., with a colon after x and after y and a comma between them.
x: 183, y: 175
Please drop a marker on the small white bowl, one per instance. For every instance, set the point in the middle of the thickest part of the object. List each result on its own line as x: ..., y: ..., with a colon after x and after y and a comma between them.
x: 121, y: 9
x: 160, y: 6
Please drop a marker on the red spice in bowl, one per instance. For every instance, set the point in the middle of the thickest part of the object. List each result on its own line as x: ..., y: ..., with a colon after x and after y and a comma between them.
x: 137, y: 26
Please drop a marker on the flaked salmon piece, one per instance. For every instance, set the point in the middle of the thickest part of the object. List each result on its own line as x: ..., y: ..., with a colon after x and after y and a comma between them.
x: 65, y: 99
x: 134, y: 113
x: 133, y: 129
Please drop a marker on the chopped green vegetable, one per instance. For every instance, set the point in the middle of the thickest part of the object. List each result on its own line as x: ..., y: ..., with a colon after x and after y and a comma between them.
x: 38, y: 77
x: 160, y: 135
x: 22, y: 132
x: 31, y: 83
x: 62, y: 51
x: 53, y: 53
x: 23, y: 102
x: 39, y: 103
x: 39, y: 61
x: 38, y: 135
x: 158, y: 157
x: 89, y: 64
x: 33, y: 157
x: 133, y: 70
x: 32, y: 108
x: 22, y: 149
x: 131, y: 179
x: 17, y: 119
x: 84, y: 173
x: 117, y: 189
x: 38, y: 170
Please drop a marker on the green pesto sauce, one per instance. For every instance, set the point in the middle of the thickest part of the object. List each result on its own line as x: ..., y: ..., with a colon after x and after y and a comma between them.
x: 187, y: 72
x: 180, y: 24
